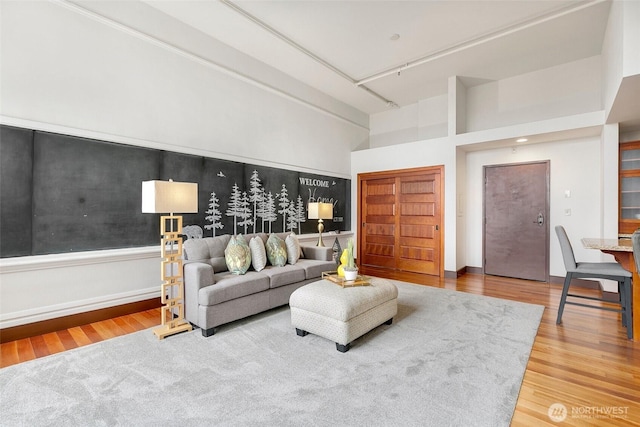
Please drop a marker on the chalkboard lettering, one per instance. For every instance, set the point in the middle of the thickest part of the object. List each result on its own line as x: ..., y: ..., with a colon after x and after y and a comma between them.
x: 314, y: 182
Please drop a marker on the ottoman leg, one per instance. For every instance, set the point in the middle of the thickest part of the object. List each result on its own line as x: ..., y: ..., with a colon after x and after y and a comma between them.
x: 301, y: 333
x: 388, y: 322
x: 343, y: 348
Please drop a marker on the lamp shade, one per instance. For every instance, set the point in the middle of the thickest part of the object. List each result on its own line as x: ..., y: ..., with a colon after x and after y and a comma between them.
x: 169, y: 197
x: 320, y: 210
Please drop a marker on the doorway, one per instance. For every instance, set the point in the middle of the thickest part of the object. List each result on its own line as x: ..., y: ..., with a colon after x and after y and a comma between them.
x: 516, y: 226
x: 400, y: 217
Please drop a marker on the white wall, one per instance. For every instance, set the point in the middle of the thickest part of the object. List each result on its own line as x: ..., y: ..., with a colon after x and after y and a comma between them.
x: 461, y: 209
x: 581, y: 175
x: 67, y: 70
x: 64, y: 68
x: 463, y: 189
x: 564, y: 90
x: 433, y: 152
x: 631, y: 38
x: 612, y: 58
x: 426, y: 119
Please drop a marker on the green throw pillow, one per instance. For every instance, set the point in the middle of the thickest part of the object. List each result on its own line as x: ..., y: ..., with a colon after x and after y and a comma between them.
x: 276, y: 251
x: 237, y: 255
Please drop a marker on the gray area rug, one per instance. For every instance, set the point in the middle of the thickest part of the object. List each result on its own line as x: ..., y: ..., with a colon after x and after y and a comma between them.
x: 448, y: 359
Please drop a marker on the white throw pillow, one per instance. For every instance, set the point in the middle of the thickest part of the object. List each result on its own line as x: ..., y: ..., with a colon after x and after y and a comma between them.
x: 293, y: 248
x: 258, y: 253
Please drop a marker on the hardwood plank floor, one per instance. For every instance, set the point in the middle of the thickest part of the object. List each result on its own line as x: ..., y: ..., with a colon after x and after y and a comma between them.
x: 585, y: 364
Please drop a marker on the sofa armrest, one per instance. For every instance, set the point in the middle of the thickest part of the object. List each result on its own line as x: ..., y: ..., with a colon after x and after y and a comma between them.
x: 197, y: 275
x: 321, y: 253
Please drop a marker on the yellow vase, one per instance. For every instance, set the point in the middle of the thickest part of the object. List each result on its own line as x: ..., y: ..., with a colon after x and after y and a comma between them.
x: 343, y: 262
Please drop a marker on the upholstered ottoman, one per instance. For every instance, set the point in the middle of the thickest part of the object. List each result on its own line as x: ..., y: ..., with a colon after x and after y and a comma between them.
x: 342, y: 314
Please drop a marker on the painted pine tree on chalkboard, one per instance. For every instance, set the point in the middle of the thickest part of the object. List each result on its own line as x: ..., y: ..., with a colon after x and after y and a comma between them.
x: 301, y: 214
x: 244, y: 212
x: 234, y: 207
x: 214, y: 215
x: 292, y: 221
x: 269, y: 213
x: 283, y: 202
x: 256, y: 196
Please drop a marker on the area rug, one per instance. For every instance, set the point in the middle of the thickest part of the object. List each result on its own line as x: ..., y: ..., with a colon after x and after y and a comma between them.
x: 448, y: 359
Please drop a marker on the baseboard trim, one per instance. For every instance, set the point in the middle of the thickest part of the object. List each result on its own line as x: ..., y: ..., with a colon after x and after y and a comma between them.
x: 554, y: 280
x: 581, y: 283
x: 611, y: 296
x: 455, y: 274
x: 73, y: 320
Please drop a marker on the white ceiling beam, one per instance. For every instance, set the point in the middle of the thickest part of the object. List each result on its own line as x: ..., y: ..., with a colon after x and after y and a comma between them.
x: 304, y: 50
x: 480, y: 40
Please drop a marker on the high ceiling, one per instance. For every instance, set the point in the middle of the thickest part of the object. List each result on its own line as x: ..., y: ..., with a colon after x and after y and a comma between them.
x: 374, y: 55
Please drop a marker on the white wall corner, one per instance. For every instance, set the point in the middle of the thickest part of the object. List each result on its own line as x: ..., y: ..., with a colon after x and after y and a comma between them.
x: 612, y: 60
x: 631, y: 38
x: 609, y: 191
x: 457, y: 106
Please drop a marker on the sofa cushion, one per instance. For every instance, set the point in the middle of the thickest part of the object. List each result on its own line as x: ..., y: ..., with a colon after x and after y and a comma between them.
x: 286, y: 275
x: 293, y: 248
x: 209, y: 250
x: 196, y: 250
x: 229, y: 286
x: 276, y: 251
x: 314, y: 268
x: 237, y: 255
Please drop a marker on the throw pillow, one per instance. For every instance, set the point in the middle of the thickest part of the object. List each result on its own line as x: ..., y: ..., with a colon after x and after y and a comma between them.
x: 237, y: 255
x: 276, y: 251
x: 293, y: 248
x: 258, y: 253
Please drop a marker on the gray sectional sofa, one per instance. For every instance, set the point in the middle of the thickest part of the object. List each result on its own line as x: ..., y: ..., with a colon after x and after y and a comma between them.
x: 215, y: 296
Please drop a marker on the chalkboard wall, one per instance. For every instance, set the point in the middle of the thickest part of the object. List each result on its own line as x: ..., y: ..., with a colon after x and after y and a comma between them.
x: 60, y: 193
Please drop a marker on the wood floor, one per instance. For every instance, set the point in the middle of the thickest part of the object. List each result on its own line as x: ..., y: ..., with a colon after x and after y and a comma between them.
x: 585, y: 364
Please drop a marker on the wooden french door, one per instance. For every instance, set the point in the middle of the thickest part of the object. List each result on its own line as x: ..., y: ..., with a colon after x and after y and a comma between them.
x: 516, y: 220
x: 400, y: 215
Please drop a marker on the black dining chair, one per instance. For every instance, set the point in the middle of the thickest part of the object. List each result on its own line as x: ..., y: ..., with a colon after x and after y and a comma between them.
x: 595, y: 270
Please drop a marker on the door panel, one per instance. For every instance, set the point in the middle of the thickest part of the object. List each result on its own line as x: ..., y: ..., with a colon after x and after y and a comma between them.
x: 400, y: 222
x: 378, y: 240
x: 417, y: 239
x: 516, y: 211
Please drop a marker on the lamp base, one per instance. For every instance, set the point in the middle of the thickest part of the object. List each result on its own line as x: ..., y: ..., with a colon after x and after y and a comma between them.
x: 320, y: 230
x: 166, y: 330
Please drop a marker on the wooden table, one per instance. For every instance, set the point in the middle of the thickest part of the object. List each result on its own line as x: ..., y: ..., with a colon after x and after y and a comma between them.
x: 622, y: 251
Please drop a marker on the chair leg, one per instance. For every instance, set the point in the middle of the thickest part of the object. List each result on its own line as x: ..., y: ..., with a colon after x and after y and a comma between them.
x: 628, y: 314
x: 563, y: 299
x: 622, y: 293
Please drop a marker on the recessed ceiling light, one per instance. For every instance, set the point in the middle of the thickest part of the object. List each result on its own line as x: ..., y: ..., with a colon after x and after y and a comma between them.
x: 394, y: 37
x: 521, y: 140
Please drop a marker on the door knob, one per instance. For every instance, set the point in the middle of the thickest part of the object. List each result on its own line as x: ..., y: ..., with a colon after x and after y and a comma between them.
x: 539, y: 220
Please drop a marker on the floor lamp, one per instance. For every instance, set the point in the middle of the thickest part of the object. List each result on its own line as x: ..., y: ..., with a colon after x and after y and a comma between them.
x: 320, y: 211
x: 170, y: 197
